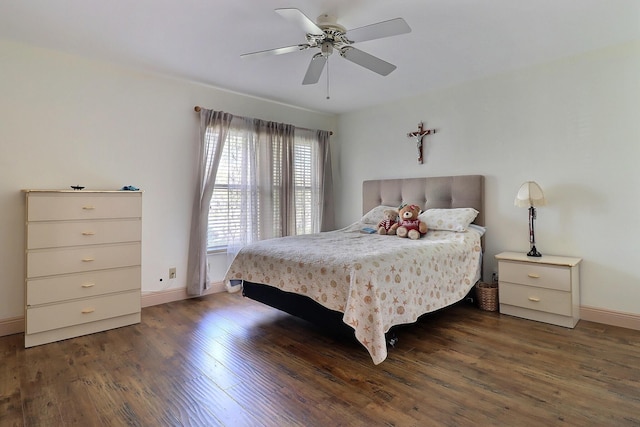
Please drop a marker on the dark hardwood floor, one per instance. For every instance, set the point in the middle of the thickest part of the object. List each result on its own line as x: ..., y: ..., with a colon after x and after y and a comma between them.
x: 223, y: 360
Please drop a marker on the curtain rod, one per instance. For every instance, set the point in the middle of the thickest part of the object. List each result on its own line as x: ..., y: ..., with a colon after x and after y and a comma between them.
x: 197, y: 109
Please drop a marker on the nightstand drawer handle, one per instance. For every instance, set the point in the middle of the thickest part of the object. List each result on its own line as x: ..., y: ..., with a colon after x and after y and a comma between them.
x: 87, y: 259
x: 88, y: 208
x: 88, y: 285
x: 533, y: 276
x: 534, y: 299
x: 88, y: 233
x: 88, y: 310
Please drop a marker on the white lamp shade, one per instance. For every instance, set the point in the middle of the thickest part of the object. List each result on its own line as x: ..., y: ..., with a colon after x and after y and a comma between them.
x: 530, y: 194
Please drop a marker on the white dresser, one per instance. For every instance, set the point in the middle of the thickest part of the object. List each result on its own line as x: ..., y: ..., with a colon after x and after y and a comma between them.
x: 83, y: 262
x: 546, y: 289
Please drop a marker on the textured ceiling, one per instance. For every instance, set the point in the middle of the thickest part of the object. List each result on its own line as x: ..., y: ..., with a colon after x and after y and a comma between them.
x: 451, y: 41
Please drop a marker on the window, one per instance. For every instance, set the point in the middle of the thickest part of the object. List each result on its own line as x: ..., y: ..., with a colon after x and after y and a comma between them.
x: 247, y: 201
x: 226, y: 201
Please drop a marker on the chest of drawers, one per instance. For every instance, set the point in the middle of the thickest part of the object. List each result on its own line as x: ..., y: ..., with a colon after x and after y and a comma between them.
x: 546, y: 289
x: 83, y: 262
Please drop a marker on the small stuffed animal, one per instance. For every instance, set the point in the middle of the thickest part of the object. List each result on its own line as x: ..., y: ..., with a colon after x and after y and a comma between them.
x: 390, y: 219
x: 409, y: 225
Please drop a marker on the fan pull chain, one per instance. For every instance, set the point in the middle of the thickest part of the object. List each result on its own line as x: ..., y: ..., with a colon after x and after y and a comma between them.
x: 328, y: 97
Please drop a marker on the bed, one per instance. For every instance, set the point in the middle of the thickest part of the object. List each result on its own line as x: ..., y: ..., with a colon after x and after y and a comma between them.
x: 368, y: 283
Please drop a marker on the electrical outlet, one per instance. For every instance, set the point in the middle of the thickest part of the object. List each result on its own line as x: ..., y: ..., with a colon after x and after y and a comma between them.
x: 172, y: 273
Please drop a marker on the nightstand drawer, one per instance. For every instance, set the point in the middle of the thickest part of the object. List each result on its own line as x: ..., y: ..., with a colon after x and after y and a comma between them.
x: 536, y: 298
x: 543, y: 276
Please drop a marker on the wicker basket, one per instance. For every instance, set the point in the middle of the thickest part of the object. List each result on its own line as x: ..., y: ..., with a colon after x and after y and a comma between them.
x: 487, y: 294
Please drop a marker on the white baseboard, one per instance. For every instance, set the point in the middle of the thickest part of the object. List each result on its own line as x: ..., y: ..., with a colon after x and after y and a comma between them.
x: 15, y: 325
x: 162, y: 297
x: 609, y: 317
x: 12, y: 325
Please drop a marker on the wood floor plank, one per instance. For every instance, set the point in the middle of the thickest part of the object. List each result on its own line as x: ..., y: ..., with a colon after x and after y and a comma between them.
x: 10, y: 396
x: 223, y: 360
x: 43, y: 372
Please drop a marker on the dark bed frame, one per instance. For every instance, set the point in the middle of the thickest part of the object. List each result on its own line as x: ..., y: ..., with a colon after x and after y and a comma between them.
x: 431, y: 192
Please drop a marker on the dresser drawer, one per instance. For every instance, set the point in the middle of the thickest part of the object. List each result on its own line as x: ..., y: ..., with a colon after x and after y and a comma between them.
x: 54, y: 316
x: 76, y: 259
x: 544, y: 276
x: 82, y: 285
x: 75, y: 233
x: 79, y: 205
x: 536, y: 298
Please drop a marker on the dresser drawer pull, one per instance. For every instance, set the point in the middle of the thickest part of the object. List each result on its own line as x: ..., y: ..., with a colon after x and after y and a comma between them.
x: 87, y: 259
x: 88, y: 310
x: 533, y: 275
x: 88, y: 207
x: 88, y: 233
x: 534, y: 299
x: 88, y: 285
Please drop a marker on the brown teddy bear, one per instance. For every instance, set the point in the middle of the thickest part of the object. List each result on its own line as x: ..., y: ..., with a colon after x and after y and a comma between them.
x: 390, y: 217
x: 409, y: 225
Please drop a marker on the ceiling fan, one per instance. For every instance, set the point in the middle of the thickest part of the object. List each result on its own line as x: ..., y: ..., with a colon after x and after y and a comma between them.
x: 327, y: 35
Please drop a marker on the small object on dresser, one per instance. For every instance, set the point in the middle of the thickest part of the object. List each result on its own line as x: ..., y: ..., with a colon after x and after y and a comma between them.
x: 487, y: 294
x: 77, y: 187
x: 130, y: 188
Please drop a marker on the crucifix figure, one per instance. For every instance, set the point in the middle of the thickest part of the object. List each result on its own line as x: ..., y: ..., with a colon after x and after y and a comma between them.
x: 418, y: 136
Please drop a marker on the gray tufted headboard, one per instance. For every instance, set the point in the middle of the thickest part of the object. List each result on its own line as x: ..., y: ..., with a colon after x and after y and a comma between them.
x: 463, y: 191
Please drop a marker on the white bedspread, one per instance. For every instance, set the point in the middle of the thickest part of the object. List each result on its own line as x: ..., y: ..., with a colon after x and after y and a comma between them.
x: 376, y: 281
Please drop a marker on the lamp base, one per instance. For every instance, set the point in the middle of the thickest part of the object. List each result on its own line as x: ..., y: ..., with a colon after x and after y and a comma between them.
x: 534, y: 252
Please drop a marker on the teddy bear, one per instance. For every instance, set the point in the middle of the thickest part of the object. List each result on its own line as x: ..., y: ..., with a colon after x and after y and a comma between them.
x: 409, y: 225
x: 390, y: 217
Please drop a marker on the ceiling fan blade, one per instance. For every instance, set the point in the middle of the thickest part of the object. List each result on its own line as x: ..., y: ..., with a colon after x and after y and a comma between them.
x: 392, y: 27
x: 368, y: 61
x: 294, y: 16
x: 277, y: 51
x: 315, y: 69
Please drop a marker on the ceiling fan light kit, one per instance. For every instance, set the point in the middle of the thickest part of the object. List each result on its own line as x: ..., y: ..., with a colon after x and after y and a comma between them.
x: 327, y: 35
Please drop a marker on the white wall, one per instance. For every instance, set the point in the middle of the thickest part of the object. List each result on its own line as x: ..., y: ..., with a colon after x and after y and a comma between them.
x: 573, y: 126
x: 66, y: 120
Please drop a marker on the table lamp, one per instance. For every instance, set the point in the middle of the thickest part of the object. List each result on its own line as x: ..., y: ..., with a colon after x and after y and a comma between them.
x: 529, y: 196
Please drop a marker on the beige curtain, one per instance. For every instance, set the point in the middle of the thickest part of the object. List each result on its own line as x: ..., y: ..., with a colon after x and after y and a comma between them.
x: 268, y: 208
x: 325, y: 174
x: 263, y: 182
x: 207, y: 167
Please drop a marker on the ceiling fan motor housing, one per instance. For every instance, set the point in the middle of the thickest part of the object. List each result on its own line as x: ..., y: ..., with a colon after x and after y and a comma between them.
x: 327, y: 22
x: 333, y: 35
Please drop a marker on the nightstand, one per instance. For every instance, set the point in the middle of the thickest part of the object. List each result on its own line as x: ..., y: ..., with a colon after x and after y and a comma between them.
x: 546, y: 289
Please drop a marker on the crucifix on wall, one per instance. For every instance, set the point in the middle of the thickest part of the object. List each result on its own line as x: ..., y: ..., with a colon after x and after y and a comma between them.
x: 418, y: 137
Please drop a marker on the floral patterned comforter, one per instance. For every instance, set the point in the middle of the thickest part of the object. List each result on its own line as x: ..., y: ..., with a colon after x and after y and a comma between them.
x: 376, y: 281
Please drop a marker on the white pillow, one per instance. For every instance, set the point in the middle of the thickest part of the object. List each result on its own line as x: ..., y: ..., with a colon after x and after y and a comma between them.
x: 456, y: 219
x: 375, y: 215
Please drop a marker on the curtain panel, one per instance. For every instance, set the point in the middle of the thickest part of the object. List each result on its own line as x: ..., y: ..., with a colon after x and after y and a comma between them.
x: 209, y: 156
x: 264, y: 183
x: 325, y: 175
